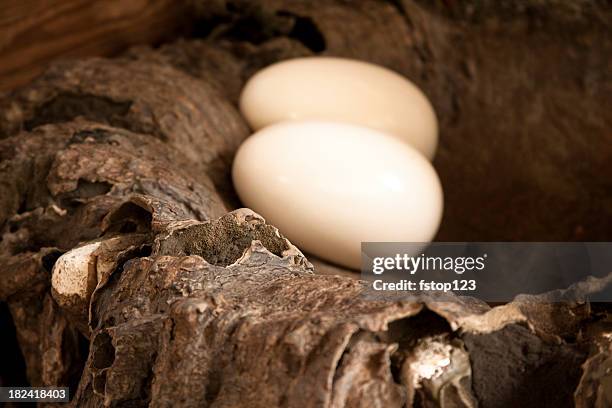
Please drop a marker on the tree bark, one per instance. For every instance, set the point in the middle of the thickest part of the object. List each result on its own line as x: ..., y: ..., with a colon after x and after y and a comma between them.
x: 190, y: 301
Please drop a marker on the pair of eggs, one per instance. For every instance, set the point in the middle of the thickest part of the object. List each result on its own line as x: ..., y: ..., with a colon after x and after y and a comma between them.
x: 340, y: 156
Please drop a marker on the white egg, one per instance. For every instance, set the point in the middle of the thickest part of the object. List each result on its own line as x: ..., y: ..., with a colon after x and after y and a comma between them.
x: 328, y: 186
x: 338, y: 89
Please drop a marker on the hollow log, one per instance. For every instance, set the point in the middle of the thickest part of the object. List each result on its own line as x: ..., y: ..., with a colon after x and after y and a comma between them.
x: 133, y: 277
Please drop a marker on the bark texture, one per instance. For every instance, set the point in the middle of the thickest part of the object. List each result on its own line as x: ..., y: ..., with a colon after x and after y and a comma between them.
x: 189, y: 301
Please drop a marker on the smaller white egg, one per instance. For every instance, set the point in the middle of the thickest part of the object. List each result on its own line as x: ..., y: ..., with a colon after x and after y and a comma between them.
x: 328, y: 186
x: 339, y: 89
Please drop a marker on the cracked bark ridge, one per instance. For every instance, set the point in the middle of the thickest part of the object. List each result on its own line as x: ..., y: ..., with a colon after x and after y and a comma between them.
x: 58, y: 185
x: 167, y: 322
x: 215, y: 318
x: 151, y: 99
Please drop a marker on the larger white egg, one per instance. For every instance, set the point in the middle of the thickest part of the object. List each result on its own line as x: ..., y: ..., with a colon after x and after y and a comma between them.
x: 328, y: 186
x: 345, y: 90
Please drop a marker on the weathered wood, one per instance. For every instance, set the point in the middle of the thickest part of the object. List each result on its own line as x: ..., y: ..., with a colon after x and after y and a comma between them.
x: 35, y: 32
x: 192, y: 305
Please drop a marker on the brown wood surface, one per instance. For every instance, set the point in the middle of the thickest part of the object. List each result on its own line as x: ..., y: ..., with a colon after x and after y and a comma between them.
x: 34, y: 32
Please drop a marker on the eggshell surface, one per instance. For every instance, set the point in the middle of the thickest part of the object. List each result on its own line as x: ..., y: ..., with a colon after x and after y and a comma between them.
x: 328, y: 186
x: 338, y: 89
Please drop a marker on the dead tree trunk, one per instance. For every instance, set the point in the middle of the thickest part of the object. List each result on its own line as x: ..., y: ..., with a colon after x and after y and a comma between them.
x: 190, y: 302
